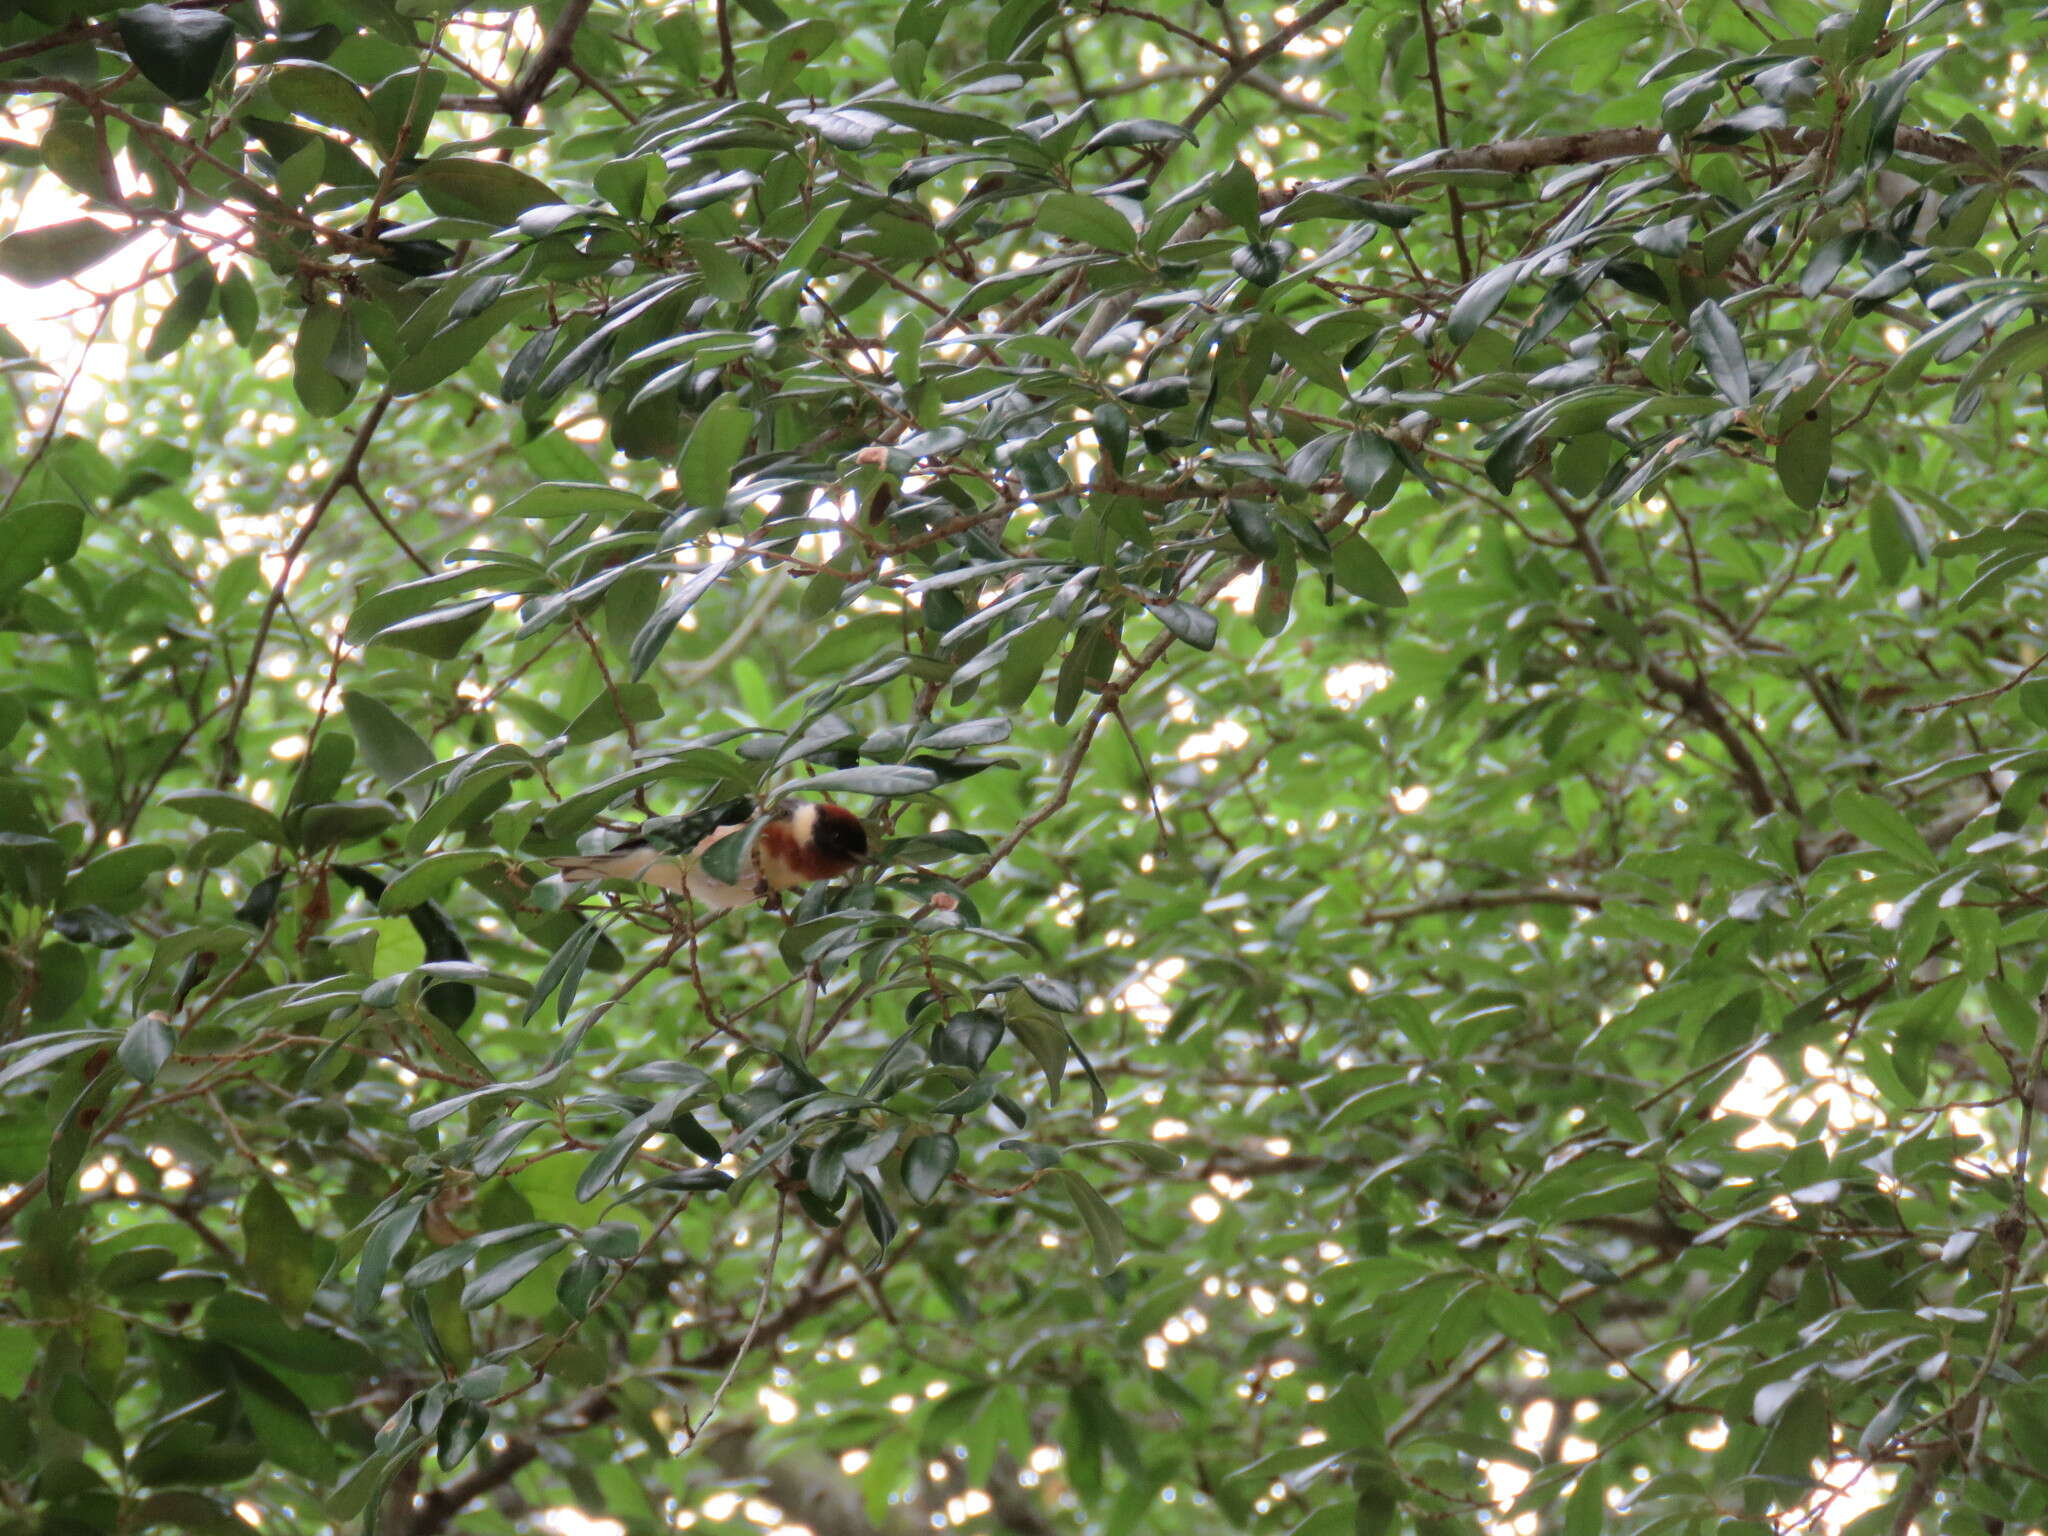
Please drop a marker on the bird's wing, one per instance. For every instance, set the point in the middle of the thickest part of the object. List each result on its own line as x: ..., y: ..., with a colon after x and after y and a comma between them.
x: 641, y: 861
x: 716, y: 894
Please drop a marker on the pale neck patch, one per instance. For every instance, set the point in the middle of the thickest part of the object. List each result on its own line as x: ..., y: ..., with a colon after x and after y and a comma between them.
x: 803, y: 824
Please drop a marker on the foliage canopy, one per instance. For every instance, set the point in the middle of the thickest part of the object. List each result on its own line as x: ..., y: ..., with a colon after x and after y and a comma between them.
x: 1426, y: 603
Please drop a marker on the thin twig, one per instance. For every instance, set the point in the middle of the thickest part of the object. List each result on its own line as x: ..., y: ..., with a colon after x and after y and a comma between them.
x: 1251, y: 61
x: 753, y: 1327
x: 351, y: 464
x: 1443, y: 135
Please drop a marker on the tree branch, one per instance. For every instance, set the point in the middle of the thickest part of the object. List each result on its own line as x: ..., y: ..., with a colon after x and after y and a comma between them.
x: 1443, y: 136
x: 525, y: 93
x: 1697, y: 700
x: 344, y: 473
x: 1483, y: 901
x: 1535, y: 154
x: 1255, y: 58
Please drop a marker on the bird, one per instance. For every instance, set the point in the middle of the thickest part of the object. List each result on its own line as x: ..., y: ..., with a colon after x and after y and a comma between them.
x: 800, y: 842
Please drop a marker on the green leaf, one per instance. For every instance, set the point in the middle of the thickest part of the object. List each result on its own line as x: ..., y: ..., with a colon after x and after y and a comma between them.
x: 1251, y: 527
x: 1105, y: 1228
x: 276, y: 1251
x: 334, y: 823
x: 610, y: 1160
x: 681, y: 596
x: 927, y: 1163
x: 464, y: 187
x: 218, y: 808
x: 92, y: 926
x: 189, y: 304
x: 1370, y: 469
x: 1585, y: 1511
x: 1478, y: 301
x: 330, y: 359
x: 1360, y: 570
x: 584, y: 1277
x: 442, y: 633
x: 494, y: 1282
x: 75, y: 150
x: 37, y: 537
x: 284, y: 1428
x: 1163, y: 394
x: 565, y: 499
x: 374, y: 1263
x: 43, y: 1051
x: 78, y: 1408
x: 117, y: 875
x: 1805, y: 454
x: 714, y: 447
x: 1262, y: 263
x: 1135, y: 133
x: 1720, y: 348
x: 1887, y: 100
x: 146, y: 1047
x: 392, y: 748
x: 50, y: 253
x: 879, y: 779
x: 1882, y: 826
x: 1236, y: 196
x: 180, y: 52
x: 1194, y: 626
x: 432, y: 876
x: 1581, y: 1265
x: 1089, y: 220
x: 322, y: 95
x: 563, y: 972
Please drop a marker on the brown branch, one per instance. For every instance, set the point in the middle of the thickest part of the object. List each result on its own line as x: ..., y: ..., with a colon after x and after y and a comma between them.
x: 391, y: 529
x: 1443, y: 136
x: 1251, y: 61
x: 548, y: 61
x: 1700, y: 703
x: 727, y: 64
x: 346, y: 472
x: 1534, y: 154
x: 437, y: 1506
x: 1483, y: 901
x: 2011, y: 1232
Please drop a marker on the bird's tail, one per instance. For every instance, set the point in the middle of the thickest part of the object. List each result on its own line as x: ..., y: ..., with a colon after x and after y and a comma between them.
x: 600, y: 866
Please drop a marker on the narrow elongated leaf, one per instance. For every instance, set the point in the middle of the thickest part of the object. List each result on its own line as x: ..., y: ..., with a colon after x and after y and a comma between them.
x: 1882, y: 826
x: 1720, y: 348
x: 880, y: 779
x: 508, y: 1272
x: 1477, y: 303
x: 1135, y: 132
x: 678, y: 600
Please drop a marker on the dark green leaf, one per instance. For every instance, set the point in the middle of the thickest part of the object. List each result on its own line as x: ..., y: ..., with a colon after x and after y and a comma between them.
x: 1720, y: 348
x: 179, y: 51
x: 51, y: 252
x: 927, y: 1163
x: 1133, y: 133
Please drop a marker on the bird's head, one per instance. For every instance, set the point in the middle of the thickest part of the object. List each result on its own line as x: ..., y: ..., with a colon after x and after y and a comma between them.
x: 836, y: 833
